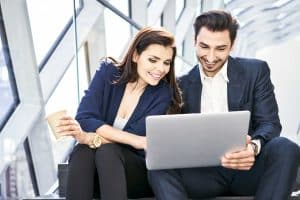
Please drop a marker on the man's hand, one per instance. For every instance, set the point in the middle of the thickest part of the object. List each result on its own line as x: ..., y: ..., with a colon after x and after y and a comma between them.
x: 241, y: 160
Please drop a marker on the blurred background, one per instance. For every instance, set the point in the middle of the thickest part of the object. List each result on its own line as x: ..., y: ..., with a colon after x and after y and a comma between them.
x: 50, y: 49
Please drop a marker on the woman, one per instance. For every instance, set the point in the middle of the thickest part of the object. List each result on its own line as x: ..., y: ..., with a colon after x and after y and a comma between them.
x: 110, y: 121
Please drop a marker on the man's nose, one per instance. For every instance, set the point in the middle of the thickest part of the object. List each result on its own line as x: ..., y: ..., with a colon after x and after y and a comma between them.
x: 211, y: 56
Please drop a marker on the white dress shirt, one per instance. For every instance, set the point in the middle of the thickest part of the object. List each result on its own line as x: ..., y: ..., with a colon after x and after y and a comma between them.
x: 214, y: 91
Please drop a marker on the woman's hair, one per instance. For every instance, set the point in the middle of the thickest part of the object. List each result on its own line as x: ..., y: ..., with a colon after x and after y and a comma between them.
x: 144, y: 38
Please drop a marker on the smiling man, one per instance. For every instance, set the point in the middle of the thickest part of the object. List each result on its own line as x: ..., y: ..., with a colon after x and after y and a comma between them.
x: 267, y: 167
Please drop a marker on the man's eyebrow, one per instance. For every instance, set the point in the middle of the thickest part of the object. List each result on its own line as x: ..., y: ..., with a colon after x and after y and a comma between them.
x: 219, y: 46
x: 202, y: 43
x: 222, y: 46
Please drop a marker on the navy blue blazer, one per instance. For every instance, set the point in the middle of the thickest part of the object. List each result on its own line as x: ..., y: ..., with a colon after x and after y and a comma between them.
x: 249, y: 88
x: 101, y: 101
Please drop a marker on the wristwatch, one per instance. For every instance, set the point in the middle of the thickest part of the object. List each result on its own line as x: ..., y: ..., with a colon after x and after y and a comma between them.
x: 95, y: 142
x: 255, y: 148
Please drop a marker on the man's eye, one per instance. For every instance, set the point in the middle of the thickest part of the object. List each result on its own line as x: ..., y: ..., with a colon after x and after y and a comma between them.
x: 152, y: 60
x: 203, y: 47
x: 167, y: 63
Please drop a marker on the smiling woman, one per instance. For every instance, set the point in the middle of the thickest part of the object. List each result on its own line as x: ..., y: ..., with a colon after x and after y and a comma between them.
x: 154, y: 63
x: 110, y: 121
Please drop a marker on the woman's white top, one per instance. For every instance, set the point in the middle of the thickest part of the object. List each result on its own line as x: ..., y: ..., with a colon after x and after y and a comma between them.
x: 120, y: 123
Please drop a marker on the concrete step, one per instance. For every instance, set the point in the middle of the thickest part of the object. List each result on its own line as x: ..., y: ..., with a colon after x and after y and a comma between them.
x: 63, y: 172
x: 62, y: 177
x: 53, y: 197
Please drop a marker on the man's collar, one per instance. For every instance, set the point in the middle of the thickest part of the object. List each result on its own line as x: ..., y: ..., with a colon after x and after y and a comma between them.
x: 222, y: 72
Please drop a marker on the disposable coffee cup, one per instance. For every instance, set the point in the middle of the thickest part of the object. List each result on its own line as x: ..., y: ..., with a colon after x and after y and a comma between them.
x: 53, y: 120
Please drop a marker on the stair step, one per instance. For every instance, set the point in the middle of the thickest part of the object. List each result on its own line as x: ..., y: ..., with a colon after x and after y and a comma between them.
x: 53, y: 197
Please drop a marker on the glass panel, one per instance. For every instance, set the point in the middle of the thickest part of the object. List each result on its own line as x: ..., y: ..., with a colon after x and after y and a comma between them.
x: 149, y: 2
x: 117, y: 31
x: 48, y: 19
x: 181, y: 66
x: 280, y: 3
x: 159, y: 22
x: 180, y: 4
x: 227, y: 1
x: 180, y: 49
x: 8, y: 96
x: 121, y: 6
x: 16, y: 178
x: 65, y: 96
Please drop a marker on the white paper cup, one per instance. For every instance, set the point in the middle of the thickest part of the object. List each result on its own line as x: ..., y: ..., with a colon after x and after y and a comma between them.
x: 53, y: 120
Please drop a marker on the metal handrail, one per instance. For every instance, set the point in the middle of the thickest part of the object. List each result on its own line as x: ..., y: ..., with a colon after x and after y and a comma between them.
x: 119, y: 13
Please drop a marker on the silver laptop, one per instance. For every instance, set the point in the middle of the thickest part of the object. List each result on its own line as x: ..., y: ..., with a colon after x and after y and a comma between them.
x: 194, y: 140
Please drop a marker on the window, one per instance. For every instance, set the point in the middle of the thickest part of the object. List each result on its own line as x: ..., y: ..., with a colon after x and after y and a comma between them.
x: 16, y: 178
x: 8, y: 95
x: 118, y: 31
x: 48, y: 28
x: 159, y: 22
x: 149, y: 2
x: 121, y: 6
x: 60, y: 99
x: 180, y: 5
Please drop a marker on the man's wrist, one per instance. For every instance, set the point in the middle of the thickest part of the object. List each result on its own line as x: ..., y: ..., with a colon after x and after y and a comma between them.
x: 256, y: 145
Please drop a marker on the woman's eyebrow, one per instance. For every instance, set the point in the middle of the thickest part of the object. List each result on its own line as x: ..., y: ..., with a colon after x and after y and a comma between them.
x: 158, y: 58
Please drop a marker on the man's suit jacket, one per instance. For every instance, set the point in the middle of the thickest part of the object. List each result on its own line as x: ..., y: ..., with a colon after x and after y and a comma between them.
x: 249, y: 88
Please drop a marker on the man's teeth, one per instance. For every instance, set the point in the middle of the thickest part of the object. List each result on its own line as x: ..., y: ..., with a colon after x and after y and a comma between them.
x: 209, y: 63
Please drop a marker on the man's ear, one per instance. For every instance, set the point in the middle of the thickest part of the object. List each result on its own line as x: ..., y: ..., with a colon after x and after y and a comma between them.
x: 232, y: 46
x: 135, y: 56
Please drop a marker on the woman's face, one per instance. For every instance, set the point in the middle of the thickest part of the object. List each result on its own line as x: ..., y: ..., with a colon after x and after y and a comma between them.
x: 153, y: 63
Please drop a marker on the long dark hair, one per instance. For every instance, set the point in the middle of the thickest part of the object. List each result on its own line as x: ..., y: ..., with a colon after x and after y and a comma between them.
x: 145, y: 37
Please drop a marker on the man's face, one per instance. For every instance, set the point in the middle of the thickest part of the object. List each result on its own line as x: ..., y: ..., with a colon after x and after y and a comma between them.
x: 212, y: 49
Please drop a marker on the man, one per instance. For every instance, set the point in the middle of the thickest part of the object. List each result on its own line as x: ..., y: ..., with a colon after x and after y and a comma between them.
x: 267, y: 167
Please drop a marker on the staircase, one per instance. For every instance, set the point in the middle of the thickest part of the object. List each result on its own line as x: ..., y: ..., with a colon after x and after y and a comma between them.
x: 63, y: 172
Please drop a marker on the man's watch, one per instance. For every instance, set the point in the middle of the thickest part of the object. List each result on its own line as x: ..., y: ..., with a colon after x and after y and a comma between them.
x: 95, y: 142
x: 255, y: 148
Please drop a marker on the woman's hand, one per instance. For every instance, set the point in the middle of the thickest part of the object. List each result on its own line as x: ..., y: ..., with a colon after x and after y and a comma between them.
x: 140, y: 142
x: 70, y: 127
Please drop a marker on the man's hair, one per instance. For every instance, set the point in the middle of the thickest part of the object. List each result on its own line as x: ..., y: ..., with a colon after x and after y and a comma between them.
x: 217, y: 20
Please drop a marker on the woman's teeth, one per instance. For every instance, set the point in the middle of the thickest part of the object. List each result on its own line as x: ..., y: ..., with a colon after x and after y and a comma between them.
x: 155, y: 76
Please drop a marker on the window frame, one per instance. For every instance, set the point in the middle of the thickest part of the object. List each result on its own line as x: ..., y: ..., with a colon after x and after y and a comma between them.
x: 9, y: 67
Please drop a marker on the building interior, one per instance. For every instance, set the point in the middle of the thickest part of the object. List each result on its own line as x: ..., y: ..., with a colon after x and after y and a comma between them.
x: 51, y: 49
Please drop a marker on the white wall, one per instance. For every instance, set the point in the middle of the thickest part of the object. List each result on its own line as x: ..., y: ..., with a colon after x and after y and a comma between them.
x: 284, y: 62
